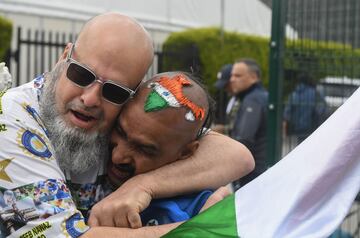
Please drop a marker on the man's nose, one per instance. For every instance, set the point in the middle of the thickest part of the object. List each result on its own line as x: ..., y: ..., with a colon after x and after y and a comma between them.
x: 91, y: 96
x: 120, y: 154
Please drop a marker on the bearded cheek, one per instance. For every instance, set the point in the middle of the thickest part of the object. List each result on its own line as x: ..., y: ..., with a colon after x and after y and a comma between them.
x: 104, y: 127
x: 61, y: 107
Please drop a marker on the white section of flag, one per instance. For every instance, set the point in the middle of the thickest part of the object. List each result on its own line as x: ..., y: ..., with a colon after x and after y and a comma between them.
x: 305, y: 195
x: 309, y: 192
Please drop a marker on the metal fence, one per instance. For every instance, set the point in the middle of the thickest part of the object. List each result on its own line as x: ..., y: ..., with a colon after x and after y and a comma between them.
x: 319, y: 55
x: 323, y: 45
x: 37, y: 52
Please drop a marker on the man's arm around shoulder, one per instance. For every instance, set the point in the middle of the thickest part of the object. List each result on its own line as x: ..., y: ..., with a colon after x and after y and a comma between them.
x: 218, y: 161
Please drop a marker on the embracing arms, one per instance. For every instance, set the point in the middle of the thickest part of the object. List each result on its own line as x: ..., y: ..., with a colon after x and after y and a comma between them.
x: 218, y: 161
x: 151, y: 231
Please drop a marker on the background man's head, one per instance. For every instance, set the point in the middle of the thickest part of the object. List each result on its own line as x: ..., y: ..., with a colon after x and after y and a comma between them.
x: 223, y: 78
x: 244, y: 74
x: 116, y: 49
x: 155, y: 129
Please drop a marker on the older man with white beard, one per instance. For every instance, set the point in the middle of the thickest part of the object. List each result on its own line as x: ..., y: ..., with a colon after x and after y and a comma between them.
x: 77, y: 149
x: 55, y: 128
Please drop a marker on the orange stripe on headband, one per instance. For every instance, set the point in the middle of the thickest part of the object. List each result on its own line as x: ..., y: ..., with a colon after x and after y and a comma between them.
x: 175, y: 85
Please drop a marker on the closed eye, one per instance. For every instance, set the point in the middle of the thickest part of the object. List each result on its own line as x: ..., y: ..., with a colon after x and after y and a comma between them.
x: 119, y: 130
x: 148, y: 151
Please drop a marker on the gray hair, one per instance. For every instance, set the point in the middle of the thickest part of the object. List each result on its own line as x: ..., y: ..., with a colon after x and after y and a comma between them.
x: 252, y: 65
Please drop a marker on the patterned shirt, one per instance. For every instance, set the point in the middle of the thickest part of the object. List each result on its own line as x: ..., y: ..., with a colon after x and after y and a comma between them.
x: 34, y: 199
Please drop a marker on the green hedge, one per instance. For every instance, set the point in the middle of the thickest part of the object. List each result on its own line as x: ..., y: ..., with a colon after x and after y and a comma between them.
x: 180, y: 47
x: 5, y: 36
x: 322, y: 58
x: 205, y: 46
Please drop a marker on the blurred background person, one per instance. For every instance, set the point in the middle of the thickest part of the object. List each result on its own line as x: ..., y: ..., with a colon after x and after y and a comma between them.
x: 223, y: 105
x: 305, y: 109
x: 247, y: 113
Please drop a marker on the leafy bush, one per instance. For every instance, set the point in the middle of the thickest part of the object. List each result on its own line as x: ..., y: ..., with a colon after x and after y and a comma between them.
x: 5, y: 37
x: 205, y: 48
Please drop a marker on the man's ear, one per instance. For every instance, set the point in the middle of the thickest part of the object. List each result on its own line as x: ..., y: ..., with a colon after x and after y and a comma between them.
x: 189, y: 149
x: 65, y: 52
x: 254, y: 77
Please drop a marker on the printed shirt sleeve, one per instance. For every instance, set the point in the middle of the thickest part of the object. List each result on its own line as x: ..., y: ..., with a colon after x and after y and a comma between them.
x: 34, y: 199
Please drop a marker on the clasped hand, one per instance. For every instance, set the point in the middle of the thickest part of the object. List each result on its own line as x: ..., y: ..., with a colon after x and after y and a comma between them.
x: 122, y: 207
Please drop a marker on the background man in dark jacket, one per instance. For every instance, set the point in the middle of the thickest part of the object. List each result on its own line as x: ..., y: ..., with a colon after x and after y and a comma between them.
x: 248, y: 115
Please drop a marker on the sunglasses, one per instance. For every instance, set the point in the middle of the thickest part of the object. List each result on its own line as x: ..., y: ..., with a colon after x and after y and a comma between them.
x: 83, y: 77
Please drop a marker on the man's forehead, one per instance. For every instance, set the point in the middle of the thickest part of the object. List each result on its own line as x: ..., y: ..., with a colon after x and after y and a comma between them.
x: 98, y: 62
x: 170, y: 118
x: 147, y: 129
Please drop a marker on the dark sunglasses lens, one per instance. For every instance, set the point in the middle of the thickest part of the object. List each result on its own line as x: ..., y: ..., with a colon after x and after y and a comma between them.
x: 79, y: 75
x: 114, y: 93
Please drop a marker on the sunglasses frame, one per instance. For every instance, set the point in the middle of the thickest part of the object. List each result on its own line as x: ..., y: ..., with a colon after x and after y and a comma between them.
x: 97, y: 79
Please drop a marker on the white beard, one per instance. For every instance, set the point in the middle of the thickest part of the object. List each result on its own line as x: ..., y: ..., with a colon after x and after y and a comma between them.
x: 76, y: 150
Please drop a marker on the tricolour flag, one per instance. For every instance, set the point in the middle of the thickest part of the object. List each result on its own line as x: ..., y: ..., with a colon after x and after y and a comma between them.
x: 306, y: 194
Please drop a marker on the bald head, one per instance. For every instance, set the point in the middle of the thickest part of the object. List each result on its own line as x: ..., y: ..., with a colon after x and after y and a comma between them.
x: 118, y: 40
x: 117, y: 25
x: 184, y: 107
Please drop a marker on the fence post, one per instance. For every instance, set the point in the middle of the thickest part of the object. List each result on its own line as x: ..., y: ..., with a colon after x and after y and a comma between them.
x: 160, y: 61
x: 274, y: 128
x: 17, y: 56
x: 7, y: 58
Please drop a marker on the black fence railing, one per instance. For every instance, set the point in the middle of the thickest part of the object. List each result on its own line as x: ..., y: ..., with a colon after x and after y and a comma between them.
x: 319, y: 68
x: 38, y: 51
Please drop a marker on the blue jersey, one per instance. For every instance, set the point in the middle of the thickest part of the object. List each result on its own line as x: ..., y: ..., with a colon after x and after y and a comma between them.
x: 170, y: 210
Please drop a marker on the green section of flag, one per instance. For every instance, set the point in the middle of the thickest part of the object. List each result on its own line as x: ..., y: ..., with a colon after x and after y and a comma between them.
x: 217, y: 221
x: 154, y: 102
